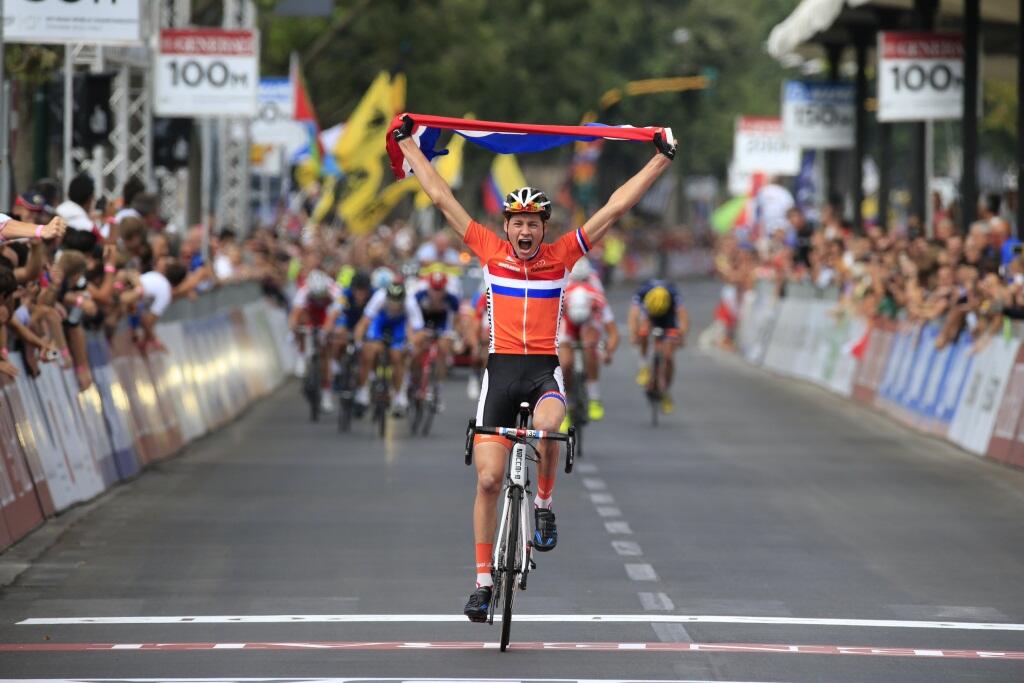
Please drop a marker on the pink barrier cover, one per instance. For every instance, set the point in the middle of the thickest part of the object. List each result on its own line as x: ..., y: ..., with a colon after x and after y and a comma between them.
x: 21, y: 508
x: 1007, y: 444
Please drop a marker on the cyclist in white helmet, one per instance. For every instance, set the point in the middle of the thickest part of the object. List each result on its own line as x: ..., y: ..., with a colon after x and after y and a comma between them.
x: 588, y: 318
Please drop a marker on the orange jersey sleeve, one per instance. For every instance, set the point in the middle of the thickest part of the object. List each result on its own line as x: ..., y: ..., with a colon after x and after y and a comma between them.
x: 481, y: 241
x: 571, y: 247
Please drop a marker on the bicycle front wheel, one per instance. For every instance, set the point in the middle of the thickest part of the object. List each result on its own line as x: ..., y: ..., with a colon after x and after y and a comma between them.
x: 509, y: 577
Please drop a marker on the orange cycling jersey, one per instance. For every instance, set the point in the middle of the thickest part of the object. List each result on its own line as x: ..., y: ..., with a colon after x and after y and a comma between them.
x: 524, y: 296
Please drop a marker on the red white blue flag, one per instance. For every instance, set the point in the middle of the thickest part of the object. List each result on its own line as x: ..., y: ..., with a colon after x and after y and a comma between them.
x: 506, y: 138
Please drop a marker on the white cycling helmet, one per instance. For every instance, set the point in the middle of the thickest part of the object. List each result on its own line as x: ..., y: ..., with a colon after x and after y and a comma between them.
x: 381, y: 277
x: 318, y: 284
x: 579, y: 306
x: 582, y: 271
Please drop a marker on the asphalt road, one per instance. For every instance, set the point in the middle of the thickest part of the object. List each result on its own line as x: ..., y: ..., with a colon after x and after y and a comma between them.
x: 765, y: 532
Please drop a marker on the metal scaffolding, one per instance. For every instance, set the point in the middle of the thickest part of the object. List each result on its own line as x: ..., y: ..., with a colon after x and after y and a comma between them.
x: 173, y: 185
x: 233, y: 205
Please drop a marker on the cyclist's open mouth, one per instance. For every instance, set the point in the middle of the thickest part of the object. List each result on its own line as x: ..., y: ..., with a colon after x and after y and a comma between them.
x: 525, y: 244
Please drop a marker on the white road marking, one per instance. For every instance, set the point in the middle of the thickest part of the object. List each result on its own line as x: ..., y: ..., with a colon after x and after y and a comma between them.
x: 627, y: 548
x: 609, y: 511
x: 618, y: 527
x: 641, y: 571
x: 656, y: 602
x: 672, y: 633
x: 601, y: 498
x: 360, y: 680
x: 594, y: 484
x: 533, y: 618
x: 586, y: 468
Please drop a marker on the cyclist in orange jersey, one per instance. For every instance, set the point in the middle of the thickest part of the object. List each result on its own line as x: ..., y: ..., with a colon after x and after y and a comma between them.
x: 524, y: 278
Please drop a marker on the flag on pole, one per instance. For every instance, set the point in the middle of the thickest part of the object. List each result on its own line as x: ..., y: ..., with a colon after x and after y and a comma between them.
x: 504, y: 177
x: 507, y: 138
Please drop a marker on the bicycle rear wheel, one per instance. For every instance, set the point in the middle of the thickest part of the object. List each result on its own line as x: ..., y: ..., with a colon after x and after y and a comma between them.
x: 508, y: 576
x: 430, y: 409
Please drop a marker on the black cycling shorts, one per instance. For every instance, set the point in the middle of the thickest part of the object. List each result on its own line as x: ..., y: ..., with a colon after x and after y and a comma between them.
x: 511, y: 379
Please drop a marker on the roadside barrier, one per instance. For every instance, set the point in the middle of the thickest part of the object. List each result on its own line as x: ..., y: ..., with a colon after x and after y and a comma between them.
x: 974, y: 398
x: 60, y: 446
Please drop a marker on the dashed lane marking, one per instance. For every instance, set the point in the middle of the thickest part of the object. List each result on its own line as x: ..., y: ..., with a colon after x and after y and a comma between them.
x: 609, y: 511
x: 722, y: 648
x: 602, y: 499
x: 627, y: 548
x: 618, y: 527
x: 641, y: 571
x: 527, y: 618
x: 594, y: 484
x: 656, y: 602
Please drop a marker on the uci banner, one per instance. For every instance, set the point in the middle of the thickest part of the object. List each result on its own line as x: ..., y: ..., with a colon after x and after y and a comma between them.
x: 818, y: 115
x: 920, y: 76
x: 110, y: 22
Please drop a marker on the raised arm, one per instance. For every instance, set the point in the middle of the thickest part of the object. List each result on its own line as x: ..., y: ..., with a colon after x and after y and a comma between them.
x: 626, y: 197
x: 431, y: 181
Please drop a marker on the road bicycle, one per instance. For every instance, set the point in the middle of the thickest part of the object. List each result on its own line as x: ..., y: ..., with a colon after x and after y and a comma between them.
x: 380, y: 388
x: 425, y: 389
x: 312, y: 351
x: 345, y: 386
x: 656, y: 384
x: 579, y: 397
x: 513, y: 545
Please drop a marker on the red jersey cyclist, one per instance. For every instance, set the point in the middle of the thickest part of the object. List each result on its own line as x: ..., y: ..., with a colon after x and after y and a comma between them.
x: 524, y: 279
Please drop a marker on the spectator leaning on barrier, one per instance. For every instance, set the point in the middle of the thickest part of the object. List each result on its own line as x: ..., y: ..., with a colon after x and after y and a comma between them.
x: 77, y: 212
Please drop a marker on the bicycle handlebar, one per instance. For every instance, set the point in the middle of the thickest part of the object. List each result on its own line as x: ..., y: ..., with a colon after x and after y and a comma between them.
x: 523, y: 433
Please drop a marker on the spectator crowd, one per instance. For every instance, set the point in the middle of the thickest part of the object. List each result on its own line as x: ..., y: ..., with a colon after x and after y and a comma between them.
x: 70, y: 265
x: 971, y: 282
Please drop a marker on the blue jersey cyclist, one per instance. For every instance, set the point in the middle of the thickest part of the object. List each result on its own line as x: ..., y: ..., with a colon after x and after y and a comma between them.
x: 394, y: 316
x: 658, y: 305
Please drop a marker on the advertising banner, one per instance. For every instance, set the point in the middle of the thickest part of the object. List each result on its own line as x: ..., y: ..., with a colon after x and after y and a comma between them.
x: 206, y: 72
x: 920, y: 76
x: 111, y: 22
x: 1010, y: 418
x: 760, y: 146
x: 817, y: 115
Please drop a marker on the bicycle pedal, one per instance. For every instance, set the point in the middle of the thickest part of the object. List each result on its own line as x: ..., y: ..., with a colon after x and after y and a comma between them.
x: 533, y: 564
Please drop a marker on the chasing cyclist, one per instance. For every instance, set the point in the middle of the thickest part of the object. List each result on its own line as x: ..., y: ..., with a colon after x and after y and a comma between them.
x: 658, y: 305
x: 390, y: 315
x: 587, y: 317
x: 524, y: 279
x: 310, y: 308
x: 440, y: 308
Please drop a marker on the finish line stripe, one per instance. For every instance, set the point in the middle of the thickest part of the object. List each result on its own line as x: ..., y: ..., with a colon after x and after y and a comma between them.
x: 524, y: 618
x: 731, y: 648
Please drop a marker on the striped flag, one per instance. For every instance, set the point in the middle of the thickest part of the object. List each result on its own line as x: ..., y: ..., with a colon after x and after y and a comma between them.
x: 506, y: 138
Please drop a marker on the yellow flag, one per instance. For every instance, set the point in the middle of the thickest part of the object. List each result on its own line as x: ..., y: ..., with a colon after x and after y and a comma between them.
x: 368, y: 125
x: 325, y: 202
x: 370, y: 215
x: 506, y: 174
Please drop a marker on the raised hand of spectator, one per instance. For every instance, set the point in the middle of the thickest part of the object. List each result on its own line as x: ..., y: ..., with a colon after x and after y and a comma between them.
x: 54, y: 229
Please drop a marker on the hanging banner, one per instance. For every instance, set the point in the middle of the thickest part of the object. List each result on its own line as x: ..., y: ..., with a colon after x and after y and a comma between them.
x: 760, y: 146
x: 818, y: 115
x: 920, y: 76
x: 108, y: 22
x: 206, y: 72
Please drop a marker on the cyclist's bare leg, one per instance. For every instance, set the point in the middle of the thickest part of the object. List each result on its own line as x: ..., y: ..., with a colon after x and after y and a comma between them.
x: 667, y: 347
x: 445, y: 346
x: 397, y: 368
x: 370, y: 351
x: 548, y: 415
x: 490, y: 457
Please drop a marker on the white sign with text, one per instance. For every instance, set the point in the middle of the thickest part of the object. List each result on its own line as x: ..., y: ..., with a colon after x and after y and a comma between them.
x: 760, y: 146
x: 206, y: 72
x: 110, y: 22
x: 818, y: 115
x: 920, y: 76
